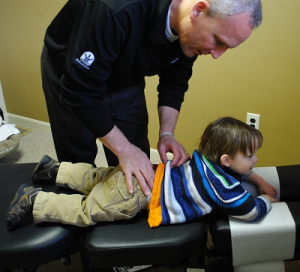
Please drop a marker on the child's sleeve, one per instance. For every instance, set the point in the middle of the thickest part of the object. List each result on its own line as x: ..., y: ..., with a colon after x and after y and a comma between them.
x: 225, y: 191
x: 237, y: 202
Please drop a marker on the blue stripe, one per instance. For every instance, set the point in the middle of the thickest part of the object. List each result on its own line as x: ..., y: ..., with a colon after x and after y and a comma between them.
x: 188, y: 193
x: 205, y: 182
x: 200, y: 187
x: 227, y: 193
x: 261, y: 207
x: 179, y: 194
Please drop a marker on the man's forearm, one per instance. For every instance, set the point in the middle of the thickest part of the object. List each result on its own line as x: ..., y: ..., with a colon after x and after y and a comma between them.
x: 167, y: 119
x: 115, y: 141
x: 132, y: 160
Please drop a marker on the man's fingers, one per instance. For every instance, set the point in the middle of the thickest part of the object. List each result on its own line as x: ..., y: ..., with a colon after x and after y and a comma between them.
x: 145, y: 181
x: 134, y: 161
x: 180, y: 158
x: 163, y: 155
x: 176, y: 156
x: 142, y: 183
x: 168, y: 143
x: 184, y: 157
x: 149, y: 178
x: 129, y: 182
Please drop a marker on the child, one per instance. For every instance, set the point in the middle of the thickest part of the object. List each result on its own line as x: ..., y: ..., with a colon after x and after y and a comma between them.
x: 226, y: 154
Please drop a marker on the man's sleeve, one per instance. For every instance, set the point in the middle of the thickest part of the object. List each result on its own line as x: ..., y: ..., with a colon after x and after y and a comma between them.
x: 174, y: 82
x: 95, y: 42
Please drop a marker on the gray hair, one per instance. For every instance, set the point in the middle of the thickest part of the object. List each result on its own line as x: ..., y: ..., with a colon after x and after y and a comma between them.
x: 233, y: 7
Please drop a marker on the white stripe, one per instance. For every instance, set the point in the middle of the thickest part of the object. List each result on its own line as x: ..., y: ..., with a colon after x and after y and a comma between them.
x: 204, y: 207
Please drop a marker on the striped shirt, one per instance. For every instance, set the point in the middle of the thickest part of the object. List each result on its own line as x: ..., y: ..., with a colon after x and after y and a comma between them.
x: 195, y: 189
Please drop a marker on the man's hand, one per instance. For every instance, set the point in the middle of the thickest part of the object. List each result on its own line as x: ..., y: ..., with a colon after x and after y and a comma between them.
x: 167, y: 119
x: 132, y: 160
x: 168, y: 143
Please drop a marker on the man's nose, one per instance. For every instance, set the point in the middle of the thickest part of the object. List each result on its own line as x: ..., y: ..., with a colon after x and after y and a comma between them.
x: 219, y: 51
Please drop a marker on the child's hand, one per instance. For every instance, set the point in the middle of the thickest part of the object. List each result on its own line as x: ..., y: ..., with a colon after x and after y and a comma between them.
x: 263, y: 186
x: 266, y: 188
x: 272, y: 199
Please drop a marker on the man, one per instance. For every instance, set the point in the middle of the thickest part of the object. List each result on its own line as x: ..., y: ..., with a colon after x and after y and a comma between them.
x: 96, y: 56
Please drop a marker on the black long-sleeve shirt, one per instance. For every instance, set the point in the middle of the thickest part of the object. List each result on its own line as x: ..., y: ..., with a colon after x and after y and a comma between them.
x: 105, y: 46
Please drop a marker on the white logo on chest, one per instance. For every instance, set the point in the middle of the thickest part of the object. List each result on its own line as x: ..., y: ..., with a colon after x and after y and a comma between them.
x: 86, y: 59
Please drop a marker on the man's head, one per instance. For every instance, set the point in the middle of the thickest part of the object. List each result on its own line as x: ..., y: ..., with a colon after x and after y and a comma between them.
x: 233, y: 7
x: 212, y: 26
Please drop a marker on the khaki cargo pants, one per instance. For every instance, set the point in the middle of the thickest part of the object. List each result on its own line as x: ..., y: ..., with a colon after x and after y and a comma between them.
x: 104, y: 197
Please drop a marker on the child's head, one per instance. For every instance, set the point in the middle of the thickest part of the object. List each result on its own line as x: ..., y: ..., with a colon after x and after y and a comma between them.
x: 229, y: 136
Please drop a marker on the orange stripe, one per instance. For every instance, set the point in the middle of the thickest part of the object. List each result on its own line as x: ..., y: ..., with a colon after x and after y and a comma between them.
x: 155, y: 213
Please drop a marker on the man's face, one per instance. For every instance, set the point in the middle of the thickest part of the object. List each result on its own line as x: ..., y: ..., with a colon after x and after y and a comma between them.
x: 213, y: 34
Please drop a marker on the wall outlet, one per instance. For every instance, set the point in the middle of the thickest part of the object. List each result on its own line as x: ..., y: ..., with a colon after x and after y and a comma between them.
x: 253, y: 120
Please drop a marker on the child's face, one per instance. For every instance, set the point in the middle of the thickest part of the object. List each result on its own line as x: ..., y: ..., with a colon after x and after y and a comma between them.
x: 243, y: 164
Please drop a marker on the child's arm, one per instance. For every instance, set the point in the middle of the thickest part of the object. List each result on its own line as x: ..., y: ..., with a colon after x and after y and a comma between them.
x: 263, y: 186
x: 232, y: 198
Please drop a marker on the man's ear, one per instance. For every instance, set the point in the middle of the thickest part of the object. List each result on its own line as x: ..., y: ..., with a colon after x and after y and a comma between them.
x: 225, y: 160
x: 198, y: 8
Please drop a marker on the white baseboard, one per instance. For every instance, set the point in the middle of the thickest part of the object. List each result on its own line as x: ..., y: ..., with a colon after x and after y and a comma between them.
x: 28, y: 122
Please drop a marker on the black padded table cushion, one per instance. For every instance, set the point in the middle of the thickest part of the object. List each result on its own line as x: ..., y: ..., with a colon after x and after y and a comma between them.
x: 289, y: 177
x: 295, y: 211
x: 30, y: 245
x: 133, y: 242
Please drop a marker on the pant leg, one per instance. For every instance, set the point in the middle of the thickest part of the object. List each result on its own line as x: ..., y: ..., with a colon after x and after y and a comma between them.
x: 109, y: 200
x: 73, y: 141
x: 81, y: 177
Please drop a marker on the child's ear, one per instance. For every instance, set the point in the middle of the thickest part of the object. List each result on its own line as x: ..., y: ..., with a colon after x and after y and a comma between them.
x: 225, y: 160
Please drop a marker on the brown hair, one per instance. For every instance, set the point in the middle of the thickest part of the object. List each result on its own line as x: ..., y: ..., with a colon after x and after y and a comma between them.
x: 228, y: 135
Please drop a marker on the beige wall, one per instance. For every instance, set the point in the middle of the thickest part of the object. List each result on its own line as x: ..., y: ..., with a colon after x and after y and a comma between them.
x: 260, y: 76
